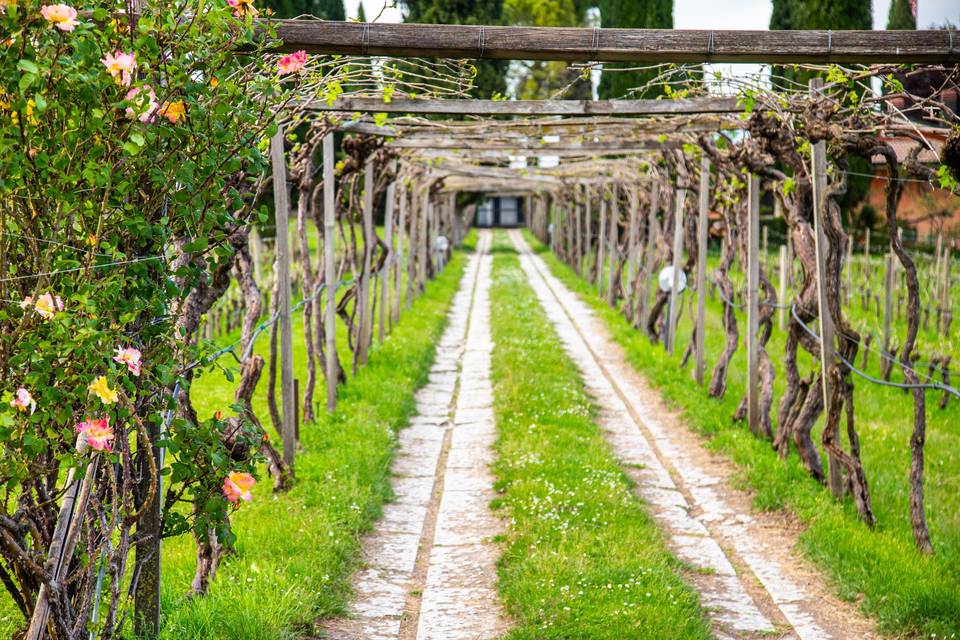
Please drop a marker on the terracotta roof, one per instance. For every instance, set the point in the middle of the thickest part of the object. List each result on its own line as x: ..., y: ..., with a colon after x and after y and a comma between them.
x: 904, y: 146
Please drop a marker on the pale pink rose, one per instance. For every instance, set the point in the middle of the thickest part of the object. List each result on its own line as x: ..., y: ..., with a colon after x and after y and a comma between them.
x: 120, y: 66
x: 130, y: 357
x: 97, y: 433
x: 292, y: 62
x: 47, y: 305
x: 237, y: 486
x: 62, y: 16
x: 145, y: 106
x: 243, y: 7
x: 22, y: 400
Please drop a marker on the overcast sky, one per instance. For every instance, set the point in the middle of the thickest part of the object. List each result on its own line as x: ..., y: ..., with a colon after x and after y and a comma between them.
x: 711, y: 14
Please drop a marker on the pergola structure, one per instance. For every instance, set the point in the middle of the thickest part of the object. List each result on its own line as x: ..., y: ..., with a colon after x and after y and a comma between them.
x: 613, y: 198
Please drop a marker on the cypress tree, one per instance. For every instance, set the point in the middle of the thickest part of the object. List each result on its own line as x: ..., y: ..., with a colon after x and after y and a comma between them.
x: 645, y: 14
x: 325, y: 9
x: 491, y: 74
x: 901, y: 15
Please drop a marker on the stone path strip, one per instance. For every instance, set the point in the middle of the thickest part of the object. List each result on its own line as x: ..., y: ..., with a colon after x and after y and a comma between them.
x: 744, y: 583
x: 429, y: 569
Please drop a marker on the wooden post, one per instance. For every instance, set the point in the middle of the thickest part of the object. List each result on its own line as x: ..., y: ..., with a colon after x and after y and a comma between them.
x: 753, y: 304
x: 281, y: 212
x: 587, y: 229
x: 677, y: 253
x: 578, y: 221
x: 413, y: 254
x: 601, y: 241
x: 702, y: 237
x: 945, y: 309
x: 612, y: 244
x: 65, y: 534
x: 819, y: 172
x: 296, y: 410
x: 398, y: 259
x: 423, y: 238
x: 650, y: 252
x: 632, y: 234
x: 887, y: 299
x: 385, y: 276
x: 330, y: 270
x: 256, y: 255
x: 782, y: 311
x: 866, y: 246
x: 365, y: 329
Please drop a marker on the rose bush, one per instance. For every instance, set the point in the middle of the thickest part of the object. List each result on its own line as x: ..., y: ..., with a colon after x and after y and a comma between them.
x: 130, y: 151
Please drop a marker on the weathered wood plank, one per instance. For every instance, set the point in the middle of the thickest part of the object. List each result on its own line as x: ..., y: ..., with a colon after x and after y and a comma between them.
x: 330, y: 270
x: 616, y: 45
x: 434, y: 106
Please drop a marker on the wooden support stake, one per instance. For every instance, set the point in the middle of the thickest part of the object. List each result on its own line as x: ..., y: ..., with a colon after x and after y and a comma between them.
x: 702, y: 237
x: 753, y: 305
x: 330, y: 270
x: 423, y: 238
x: 578, y: 222
x: 827, y: 347
x: 887, y: 299
x: 365, y: 330
x: 612, y: 245
x: 945, y: 309
x: 632, y: 237
x: 601, y: 241
x: 385, y: 276
x: 674, y: 309
x: 650, y: 252
x: 398, y: 260
x: 281, y: 212
x: 782, y: 311
x: 588, y: 230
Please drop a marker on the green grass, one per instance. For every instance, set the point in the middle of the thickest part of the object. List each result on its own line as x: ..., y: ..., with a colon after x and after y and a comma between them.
x: 582, y: 558
x: 907, y: 593
x: 296, y: 552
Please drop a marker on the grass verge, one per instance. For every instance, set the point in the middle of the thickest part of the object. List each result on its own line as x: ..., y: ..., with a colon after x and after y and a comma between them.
x: 582, y: 558
x: 296, y: 552
x: 908, y: 594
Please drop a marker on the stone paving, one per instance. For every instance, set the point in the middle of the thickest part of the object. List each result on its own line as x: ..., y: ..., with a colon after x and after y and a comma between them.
x: 429, y: 569
x: 745, y: 588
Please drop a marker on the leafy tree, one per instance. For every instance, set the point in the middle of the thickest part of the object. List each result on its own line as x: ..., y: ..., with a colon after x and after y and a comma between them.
x: 491, y: 74
x: 646, y: 14
x: 326, y: 9
x: 361, y: 14
x: 902, y: 15
x: 544, y: 79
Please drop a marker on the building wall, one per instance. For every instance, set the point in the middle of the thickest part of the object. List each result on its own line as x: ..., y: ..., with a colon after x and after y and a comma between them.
x: 921, y: 208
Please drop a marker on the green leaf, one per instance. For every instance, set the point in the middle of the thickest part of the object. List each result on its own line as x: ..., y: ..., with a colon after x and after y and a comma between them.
x: 28, y: 66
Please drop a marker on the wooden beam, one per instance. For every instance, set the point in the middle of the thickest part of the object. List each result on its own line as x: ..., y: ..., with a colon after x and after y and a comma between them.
x: 531, y: 147
x: 617, y: 45
x: 718, y: 104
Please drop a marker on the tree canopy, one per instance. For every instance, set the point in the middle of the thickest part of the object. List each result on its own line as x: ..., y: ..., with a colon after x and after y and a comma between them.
x: 645, y: 14
x: 326, y: 9
x: 491, y: 74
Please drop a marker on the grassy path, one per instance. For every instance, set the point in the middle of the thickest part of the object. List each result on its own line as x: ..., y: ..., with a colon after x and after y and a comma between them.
x: 296, y: 552
x: 905, y: 592
x: 582, y: 558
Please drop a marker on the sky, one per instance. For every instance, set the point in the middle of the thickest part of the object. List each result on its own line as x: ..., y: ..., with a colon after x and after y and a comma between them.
x: 717, y: 14
x: 711, y: 14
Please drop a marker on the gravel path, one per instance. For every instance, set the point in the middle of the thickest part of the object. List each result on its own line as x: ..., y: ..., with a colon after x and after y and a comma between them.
x: 751, y: 584
x: 429, y: 569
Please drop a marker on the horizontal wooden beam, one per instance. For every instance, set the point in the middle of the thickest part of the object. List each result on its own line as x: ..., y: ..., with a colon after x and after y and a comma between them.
x: 501, y: 154
x: 533, y: 147
x: 532, y: 107
x: 618, y: 45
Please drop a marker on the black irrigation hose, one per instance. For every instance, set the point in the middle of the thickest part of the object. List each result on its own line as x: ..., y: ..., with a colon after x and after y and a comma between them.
x: 899, y: 385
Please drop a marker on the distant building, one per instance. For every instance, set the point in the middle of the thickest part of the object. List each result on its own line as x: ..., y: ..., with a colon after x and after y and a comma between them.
x: 925, y: 209
x: 500, y: 211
